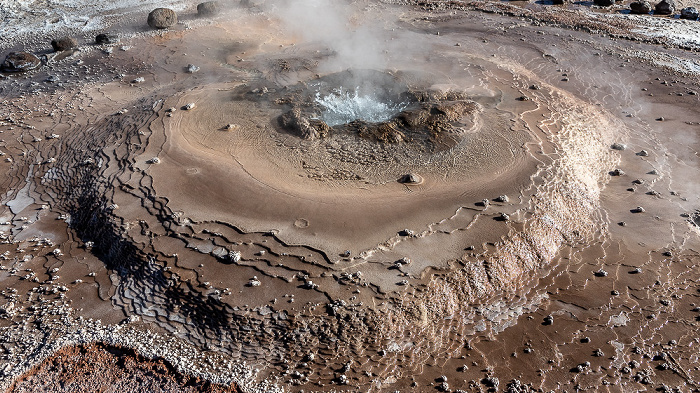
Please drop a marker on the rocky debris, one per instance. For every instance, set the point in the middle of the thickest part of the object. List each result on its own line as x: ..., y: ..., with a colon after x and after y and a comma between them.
x: 20, y: 61
x: 189, y: 106
x: 690, y: 13
x: 162, y: 18
x: 410, y: 178
x: 665, y: 7
x: 643, y: 153
x: 598, y: 353
x: 106, y: 39
x: 640, y: 7
x: 303, y: 126
x: 191, y: 68
x: 618, y: 146
x: 406, y: 232
x: 208, y: 8
x: 548, y: 320
x: 64, y: 43
x: 601, y: 273
x: 308, y: 284
x: 154, y: 160
x: 502, y: 198
x: 231, y: 127
x: 638, y: 209
x: 253, y: 282
x: 234, y: 256
x: 617, y: 172
x: 140, y: 79
x: 604, y: 3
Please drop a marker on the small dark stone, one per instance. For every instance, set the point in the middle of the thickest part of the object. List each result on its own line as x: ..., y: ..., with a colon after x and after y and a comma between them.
x: 20, y: 61
x: 689, y: 13
x: 64, y: 43
x: 410, y: 178
x: 665, y: 7
x: 208, y: 8
x: 640, y: 7
x: 106, y: 38
x: 162, y: 18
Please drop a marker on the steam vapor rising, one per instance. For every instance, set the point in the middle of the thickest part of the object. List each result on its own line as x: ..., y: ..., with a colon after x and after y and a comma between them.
x: 330, y: 23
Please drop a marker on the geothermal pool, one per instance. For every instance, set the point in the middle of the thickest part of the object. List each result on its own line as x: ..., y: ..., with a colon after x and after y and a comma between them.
x: 362, y: 196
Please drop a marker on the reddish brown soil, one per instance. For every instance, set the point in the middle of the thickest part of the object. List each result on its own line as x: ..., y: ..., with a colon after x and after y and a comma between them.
x: 100, y: 367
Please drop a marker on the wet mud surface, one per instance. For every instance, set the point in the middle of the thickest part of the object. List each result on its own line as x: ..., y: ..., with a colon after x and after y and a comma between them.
x: 548, y: 239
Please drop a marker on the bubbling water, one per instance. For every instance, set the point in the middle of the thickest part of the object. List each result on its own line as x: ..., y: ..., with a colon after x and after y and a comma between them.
x: 343, y: 106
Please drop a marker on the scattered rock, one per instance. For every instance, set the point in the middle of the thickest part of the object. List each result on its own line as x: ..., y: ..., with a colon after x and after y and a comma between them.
x: 191, y: 68
x: 618, y: 146
x: 690, y: 13
x: 106, y: 38
x: 406, y: 232
x: 234, y: 256
x: 140, y: 79
x: 64, y: 43
x: 548, y: 320
x: 208, y: 8
x: 410, y: 178
x: 640, y: 7
x: 598, y: 353
x: 154, y: 160
x: 643, y: 153
x: 189, y: 106
x: 617, y: 172
x: 502, y: 198
x: 254, y: 282
x: 601, y: 273
x: 665, y: 7
x: 638, y: 209
x: 20, y: 61
x: 162, y: 18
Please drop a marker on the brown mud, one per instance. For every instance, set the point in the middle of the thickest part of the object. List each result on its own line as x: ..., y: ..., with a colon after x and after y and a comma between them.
x: 520, y: 259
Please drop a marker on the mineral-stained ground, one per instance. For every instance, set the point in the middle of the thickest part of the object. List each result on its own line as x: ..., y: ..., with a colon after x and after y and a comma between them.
x: 202, y: 208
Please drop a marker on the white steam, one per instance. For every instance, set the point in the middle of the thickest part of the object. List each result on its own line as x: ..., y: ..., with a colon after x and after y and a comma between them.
x: 331, y: 24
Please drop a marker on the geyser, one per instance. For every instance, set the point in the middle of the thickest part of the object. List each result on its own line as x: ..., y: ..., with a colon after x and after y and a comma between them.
x: 343, y: 106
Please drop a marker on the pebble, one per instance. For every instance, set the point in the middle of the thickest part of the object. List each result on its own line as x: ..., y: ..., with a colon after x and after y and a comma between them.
x: 618, y: 146
x: 502, y: 198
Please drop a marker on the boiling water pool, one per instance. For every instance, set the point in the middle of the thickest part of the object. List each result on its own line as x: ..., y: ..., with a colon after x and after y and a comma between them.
x: 343, y: 106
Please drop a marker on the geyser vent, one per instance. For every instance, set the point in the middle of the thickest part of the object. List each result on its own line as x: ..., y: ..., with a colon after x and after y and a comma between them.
x: 343, y: 106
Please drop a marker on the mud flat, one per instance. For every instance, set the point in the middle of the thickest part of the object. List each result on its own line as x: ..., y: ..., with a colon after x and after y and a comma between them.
x: 524, y: 216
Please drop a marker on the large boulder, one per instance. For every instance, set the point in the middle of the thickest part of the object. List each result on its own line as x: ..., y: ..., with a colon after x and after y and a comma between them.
x: 689, y: 13
x: 604, y: 3
x: 64, y: 43
x: 162, y: 18
x: 640, y: 7
x: 665, y: 7
x: 208, y: 8
x: 20, y: 61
